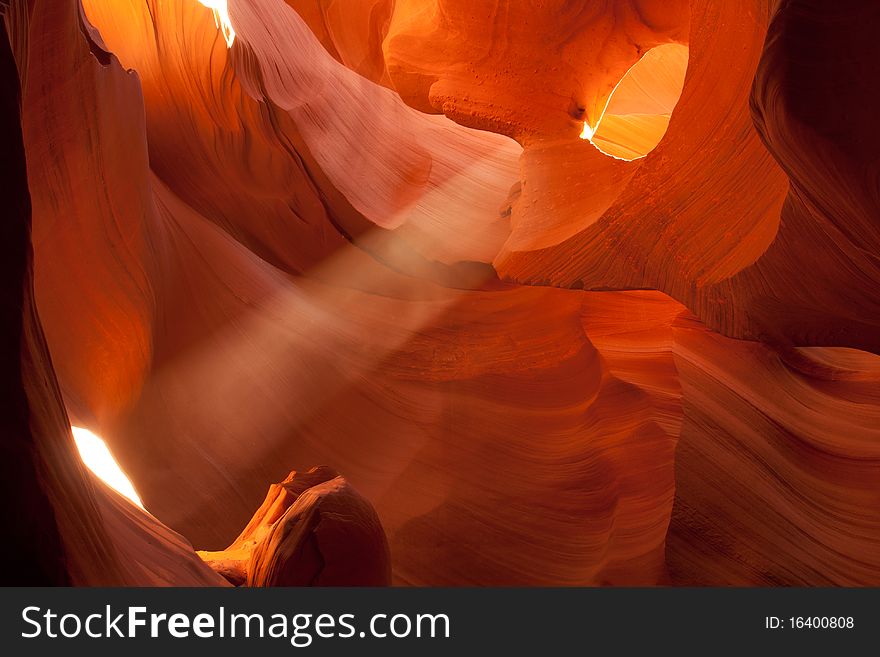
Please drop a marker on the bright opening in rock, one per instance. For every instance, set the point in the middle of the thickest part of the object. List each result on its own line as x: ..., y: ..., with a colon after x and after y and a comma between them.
x: 639, y: 109
x: 221, y: 19
x: 96, y: 455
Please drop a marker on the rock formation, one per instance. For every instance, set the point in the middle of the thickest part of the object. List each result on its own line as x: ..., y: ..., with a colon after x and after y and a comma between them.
x: 313, y: 529
x: 571, y: 293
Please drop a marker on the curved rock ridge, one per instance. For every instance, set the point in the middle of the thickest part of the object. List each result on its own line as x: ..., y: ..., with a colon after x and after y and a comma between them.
x: 313, y: 529
x: 777, y: 465
x: 438, y: 180
x: 711, y: 191
x: 67, y: 526
x: 476, y: 61
x: 369, y: 235
x: 715, y: 221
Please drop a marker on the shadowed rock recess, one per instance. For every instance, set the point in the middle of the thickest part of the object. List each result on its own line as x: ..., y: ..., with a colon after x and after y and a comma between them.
x: 503, y: 293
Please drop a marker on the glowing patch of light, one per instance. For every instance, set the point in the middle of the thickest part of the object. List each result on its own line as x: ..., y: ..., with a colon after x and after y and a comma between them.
x: 99, y: 460
x: 221, y: 19
x: 588, y: 131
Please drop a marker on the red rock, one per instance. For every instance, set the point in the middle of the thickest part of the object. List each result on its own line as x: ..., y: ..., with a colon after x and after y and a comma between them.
x: 313, y: 529
x: 369, y: 235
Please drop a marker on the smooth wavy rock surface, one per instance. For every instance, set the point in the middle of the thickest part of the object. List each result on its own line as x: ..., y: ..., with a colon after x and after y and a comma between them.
x: 369, y: 236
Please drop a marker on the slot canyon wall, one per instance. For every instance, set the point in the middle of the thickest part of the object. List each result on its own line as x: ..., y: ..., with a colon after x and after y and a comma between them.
x: 570, y: 292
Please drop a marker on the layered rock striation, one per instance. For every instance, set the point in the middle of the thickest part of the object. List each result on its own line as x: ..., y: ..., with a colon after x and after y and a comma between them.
x: 575, y: 294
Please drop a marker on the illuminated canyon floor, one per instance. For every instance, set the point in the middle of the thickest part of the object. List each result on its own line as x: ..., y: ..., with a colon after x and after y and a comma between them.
x: 442, y: 292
